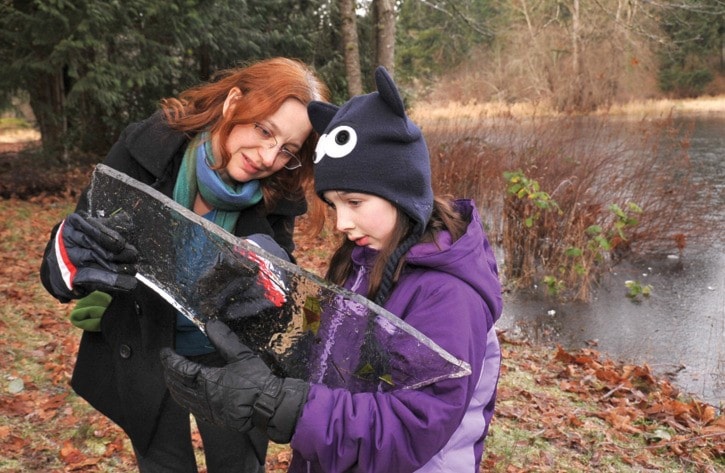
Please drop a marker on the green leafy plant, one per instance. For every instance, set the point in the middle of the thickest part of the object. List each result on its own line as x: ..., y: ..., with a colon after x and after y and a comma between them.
x: 624, y: 218
x: 599, y: 241
x: 526, y: 222
x: 636, y: 289
x: 530, y: 191
x: 554, y: 286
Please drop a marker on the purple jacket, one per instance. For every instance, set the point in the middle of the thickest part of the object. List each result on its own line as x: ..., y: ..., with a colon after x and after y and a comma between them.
x: 452, y: 294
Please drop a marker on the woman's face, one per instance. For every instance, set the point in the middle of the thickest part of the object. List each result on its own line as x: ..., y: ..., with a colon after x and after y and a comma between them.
x: 259, y: 150
x: 366, y: 219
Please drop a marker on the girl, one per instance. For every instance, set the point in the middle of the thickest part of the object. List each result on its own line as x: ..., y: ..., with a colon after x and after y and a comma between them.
x: 237, y: 150
x: 424, y: 259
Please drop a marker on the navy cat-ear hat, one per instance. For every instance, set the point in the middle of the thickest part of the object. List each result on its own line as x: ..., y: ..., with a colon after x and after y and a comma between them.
x: 370, y: 145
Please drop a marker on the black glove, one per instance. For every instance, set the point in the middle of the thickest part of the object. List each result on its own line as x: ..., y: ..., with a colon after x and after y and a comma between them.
x: 240, y: 395
x: 89, y: 254
x: 231, y: 291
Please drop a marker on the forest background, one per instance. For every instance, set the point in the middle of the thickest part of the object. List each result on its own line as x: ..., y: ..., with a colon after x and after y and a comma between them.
x: 75, y: 73
x: 89, y: 67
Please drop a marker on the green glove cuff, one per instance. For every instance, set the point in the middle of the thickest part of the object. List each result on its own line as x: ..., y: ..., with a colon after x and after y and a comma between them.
x: 89, y: 310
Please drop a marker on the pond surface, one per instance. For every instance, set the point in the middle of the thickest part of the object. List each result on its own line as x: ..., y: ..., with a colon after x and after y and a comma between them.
x: 679, y: 331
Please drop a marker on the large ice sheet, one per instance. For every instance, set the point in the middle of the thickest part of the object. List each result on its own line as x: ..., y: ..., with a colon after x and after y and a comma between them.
x: 300, y: 324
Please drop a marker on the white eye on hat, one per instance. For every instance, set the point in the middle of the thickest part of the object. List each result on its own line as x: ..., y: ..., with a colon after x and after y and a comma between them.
x: 338, y: 143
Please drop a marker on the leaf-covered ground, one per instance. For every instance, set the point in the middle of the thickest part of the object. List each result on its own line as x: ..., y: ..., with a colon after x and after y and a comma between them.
x: 557, y: 411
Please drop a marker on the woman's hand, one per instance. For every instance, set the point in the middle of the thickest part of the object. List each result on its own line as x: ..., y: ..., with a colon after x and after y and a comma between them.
x: 89, y: 255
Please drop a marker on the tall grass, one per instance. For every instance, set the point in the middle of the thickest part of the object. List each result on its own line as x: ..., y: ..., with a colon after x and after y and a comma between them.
x: 569, y: 206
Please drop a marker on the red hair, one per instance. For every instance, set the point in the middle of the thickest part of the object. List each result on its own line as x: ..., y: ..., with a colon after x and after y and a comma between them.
x: 265, y: 85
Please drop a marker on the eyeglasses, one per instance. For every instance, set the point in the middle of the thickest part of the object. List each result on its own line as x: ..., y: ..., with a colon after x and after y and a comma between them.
x: 267, y: 138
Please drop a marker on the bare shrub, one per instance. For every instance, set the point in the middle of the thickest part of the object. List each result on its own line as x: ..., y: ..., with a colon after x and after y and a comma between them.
x: 544, y: 55
x: 466, y: 164
x: 595, y: 171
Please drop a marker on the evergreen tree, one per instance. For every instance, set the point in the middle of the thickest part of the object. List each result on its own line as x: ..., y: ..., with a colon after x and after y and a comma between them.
x: 92, y: 66
x: 435, y: 35
x: 694, y: 29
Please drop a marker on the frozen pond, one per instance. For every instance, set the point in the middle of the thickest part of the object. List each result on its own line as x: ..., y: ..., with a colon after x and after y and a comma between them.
x: 680, y: 329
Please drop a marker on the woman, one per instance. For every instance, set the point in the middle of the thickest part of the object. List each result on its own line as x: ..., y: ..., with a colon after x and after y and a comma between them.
x: 425, y: 259
x: 238, y: 151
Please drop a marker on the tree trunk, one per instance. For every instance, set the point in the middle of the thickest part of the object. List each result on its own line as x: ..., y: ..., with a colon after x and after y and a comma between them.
x: 47, y: 99
x: 578, y: 87
x: 350, y: 46
x: 385, y: 34
x: 204, y: 62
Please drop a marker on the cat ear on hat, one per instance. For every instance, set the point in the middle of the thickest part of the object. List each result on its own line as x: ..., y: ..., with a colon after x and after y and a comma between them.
x: 389, y: 91
x: 321, y: 114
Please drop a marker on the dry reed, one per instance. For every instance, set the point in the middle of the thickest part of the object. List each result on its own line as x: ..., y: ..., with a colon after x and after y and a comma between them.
x: 583, y: 164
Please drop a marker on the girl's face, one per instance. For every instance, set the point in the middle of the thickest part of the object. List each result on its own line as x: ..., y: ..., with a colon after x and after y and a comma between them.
x: 366, y: 219
x: 260, y: 149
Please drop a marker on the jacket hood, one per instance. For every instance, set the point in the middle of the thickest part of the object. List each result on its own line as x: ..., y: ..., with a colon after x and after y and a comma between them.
x: 469, y: 259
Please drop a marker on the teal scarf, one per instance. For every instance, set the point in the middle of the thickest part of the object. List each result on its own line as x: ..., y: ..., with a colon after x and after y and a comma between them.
x: 196, y: 175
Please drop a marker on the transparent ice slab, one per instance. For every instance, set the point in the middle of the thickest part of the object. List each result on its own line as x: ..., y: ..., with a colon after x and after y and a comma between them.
x: 300, y: 324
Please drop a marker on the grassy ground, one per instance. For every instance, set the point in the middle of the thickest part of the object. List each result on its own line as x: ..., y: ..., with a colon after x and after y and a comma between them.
x: 634, y: 110
x: 557, y: 411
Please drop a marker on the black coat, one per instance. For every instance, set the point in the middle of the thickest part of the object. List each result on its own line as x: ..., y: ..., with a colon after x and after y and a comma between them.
x: 118, y: 370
